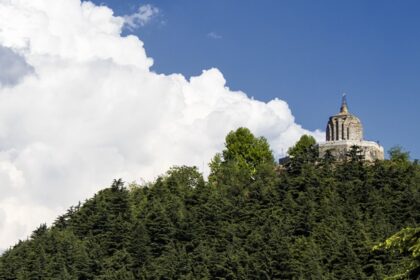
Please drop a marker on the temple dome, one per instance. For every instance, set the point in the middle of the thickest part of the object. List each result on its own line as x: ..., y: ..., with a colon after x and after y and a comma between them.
x: 345, y: 131
x: 344, y: 126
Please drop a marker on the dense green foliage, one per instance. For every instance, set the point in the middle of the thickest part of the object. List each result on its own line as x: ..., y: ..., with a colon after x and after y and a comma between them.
x: 304, y: 147
x: 244, y: 153
x: 252, y: 220
x: 406, y: 241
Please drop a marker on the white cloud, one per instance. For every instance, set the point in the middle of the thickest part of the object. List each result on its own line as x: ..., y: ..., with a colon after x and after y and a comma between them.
x: 214, y: 35
x: 144, y: 15
x: 92, y: 111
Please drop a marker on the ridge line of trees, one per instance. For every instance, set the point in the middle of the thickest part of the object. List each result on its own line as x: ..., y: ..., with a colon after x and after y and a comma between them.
x: 312, y: 219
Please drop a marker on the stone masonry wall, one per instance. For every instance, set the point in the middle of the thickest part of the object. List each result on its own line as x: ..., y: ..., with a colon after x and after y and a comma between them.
x: 371, y: 150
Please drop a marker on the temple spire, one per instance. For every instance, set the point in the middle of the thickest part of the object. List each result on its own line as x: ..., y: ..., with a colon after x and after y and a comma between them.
x: 344, y: 109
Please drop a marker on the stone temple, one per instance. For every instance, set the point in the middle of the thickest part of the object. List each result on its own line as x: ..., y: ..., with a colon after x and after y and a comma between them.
x: 345, y: 130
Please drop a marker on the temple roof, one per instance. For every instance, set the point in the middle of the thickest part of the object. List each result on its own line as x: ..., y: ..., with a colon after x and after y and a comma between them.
x: 344, y: 110
x: 344, y: 126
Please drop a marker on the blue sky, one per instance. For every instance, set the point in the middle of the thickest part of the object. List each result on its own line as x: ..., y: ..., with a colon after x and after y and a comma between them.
x: 305, y: 52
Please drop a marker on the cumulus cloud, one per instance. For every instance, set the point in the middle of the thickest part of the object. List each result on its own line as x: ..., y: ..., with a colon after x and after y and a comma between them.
x: 90, y: 111
x: 13, y: 67
x: 144, y: 15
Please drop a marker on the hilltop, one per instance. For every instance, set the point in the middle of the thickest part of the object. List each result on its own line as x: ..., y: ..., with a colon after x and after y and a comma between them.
x: 311, y: 219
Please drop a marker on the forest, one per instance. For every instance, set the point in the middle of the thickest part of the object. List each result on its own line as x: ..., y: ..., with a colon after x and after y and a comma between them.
x: 309, y: 218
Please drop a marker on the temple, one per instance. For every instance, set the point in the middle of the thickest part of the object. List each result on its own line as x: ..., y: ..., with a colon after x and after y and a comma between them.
x: 345, y: 130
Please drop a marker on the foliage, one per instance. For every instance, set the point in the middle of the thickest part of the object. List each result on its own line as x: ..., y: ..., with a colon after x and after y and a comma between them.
x: 304, y: 152
x: 243, y: 151
x: 304, y: 147
x: 405, y: 242
x: 398, y: 154
x: 251, y: 220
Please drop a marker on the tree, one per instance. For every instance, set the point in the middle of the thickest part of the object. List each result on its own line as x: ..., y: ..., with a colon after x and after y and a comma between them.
x: 355, y: 154
x: 244, y: 150
x: 405, y: 242
x: 117, y: 267
x: 397, y: 154
x: 318, y: 221
x: 305, y: 147
x: 303, y: 152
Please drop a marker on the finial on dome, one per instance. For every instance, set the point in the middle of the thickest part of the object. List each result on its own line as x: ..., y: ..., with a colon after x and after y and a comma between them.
x: 344, y: 109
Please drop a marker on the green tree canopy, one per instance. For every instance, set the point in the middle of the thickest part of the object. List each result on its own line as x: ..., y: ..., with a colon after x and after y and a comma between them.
x: 255, y: 221
x: 242, y: 146
x: 405, y: 242
x: 302, y: 147
x: 244, y: 150
x: 303, y: 152
x: 398, y: 154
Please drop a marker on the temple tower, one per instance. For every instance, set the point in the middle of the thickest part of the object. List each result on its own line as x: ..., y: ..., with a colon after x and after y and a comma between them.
x: 344, y: 126
x: 345, y: 130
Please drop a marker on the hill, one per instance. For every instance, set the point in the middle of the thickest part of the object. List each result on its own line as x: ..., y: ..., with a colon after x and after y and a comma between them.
x: 311, y: 219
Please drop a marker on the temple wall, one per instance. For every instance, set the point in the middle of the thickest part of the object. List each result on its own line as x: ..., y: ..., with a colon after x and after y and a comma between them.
x: 344, y: 127
x: 371, y: 150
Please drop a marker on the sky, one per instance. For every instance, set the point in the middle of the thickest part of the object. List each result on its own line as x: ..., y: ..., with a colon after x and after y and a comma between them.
x: 304, y: 52
x: 93, y: 91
